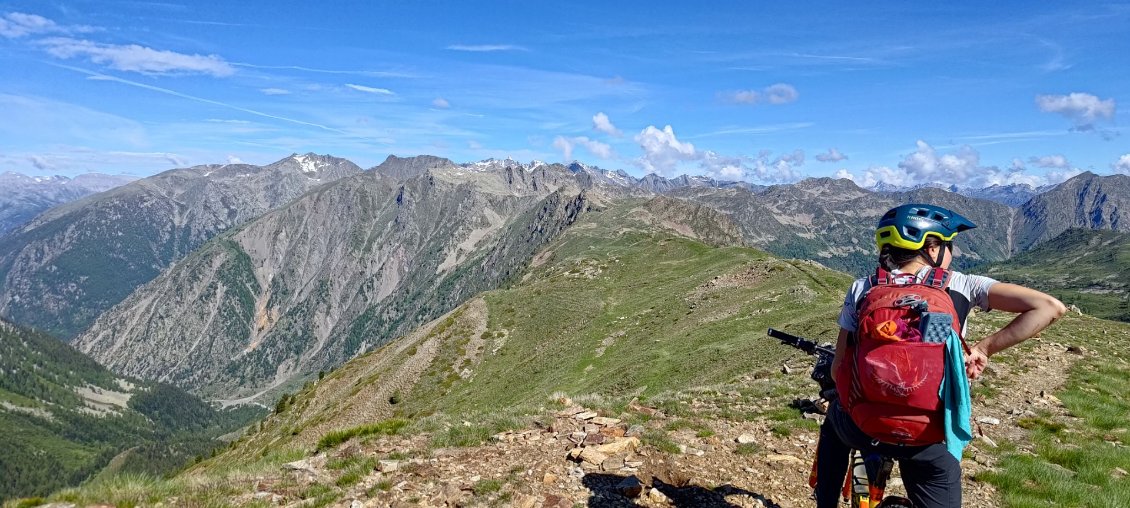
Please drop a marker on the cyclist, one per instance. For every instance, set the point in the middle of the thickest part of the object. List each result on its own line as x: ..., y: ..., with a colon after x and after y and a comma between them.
x: 913, y: 240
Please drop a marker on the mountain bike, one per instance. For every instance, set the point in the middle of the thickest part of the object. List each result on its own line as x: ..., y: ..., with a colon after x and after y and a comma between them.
x: 866, y: 482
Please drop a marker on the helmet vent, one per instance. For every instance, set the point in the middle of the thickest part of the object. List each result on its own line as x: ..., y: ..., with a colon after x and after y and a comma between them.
x: 922, y: 212
x: 912, y: 231
x: 938, y: 216
x: 885, y: 234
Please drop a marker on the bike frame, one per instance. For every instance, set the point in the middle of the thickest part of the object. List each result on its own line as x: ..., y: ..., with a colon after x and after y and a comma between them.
x: 866, y: 483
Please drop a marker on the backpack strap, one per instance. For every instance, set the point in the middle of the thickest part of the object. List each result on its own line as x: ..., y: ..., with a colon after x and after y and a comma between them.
x: 881, y: 278
x: 938, y: 278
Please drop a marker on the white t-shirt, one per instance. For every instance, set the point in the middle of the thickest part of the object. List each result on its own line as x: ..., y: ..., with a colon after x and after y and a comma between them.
x: 974, y: 289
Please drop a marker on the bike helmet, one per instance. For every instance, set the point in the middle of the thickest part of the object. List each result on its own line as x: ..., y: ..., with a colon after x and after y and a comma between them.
x: 907, y: 226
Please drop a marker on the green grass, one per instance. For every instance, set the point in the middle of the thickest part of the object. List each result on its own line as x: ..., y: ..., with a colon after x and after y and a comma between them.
x: 1075, y: 458
x: 389, y: 427
x: 660, y: 441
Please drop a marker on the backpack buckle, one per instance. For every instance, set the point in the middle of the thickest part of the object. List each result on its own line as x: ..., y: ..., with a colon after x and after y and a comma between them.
x: 913, y: 302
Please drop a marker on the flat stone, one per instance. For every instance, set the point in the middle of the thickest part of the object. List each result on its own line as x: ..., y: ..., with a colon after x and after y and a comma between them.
x: 600, y: 420
x: 655, y: 496
x: 586, y: 415
x: 613, y: 431
x: 387, y: 466
x: 594, y: 439
x: 634, y: 430
x: 593, y: 456
x: 612, y: 464
x: 620, y: 445
x: 787, y: 459
x: 988, y: 420
x: 549, y: 479
x: 746, y: 439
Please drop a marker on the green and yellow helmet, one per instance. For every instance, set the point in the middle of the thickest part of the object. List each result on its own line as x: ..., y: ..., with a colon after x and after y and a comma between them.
x: 907, y: 226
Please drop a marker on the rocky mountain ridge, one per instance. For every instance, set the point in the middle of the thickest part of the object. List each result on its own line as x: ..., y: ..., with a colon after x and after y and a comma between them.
x: 337, y: 272
x: 69, y: 264
x: 22, y: 197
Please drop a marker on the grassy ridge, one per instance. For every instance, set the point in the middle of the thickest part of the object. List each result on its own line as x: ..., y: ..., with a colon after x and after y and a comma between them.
x: 1083, y: 267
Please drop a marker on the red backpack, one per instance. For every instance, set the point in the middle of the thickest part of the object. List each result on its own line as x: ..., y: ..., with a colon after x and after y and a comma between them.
x: 890, y: 380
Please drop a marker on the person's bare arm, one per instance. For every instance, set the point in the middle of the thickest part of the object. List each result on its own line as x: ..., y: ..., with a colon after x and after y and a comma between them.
x: 1036, y: 311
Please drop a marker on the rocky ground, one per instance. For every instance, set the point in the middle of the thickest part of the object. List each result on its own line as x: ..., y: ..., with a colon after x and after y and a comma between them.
x: 707, y: 455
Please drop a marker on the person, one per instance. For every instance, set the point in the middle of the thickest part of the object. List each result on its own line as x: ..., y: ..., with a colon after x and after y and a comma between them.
x: 913, y: 240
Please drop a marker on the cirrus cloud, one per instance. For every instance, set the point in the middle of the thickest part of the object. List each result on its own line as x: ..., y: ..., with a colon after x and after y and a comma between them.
x: 441, y: 103
x: 135, y: 58
x: 485, y: 48
x: 369, y: 89
x: 779, y: 93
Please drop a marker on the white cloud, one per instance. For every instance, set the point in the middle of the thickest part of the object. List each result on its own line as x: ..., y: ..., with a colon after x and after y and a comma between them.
x: 134, y: 58
x: 1050, y: 161
x: 474, y: 145
x: 369, y: 89
x: 1082, y: 108
x: 832, y: 155
x: 485, y: 48
x: 761, y: 169
x: 18, y: 24
x: 961, y: 168
x: 780, y: 93
x: 843, y: 174
x: 1122, y: 165
x: 275, y: 91
x: 441, y: 103
x: 234, y: 160
x: 925, y: 165
x: 566, y: 145
x: 663, y: 151
x: 601, y: 123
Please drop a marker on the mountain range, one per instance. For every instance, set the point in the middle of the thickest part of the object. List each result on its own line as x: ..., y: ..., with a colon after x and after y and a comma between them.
x: 238, y: 281
x: 23, y: 197
x: 74, y: 261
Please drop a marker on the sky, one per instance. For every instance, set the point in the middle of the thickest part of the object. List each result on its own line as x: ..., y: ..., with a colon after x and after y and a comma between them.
x: 966, y: 93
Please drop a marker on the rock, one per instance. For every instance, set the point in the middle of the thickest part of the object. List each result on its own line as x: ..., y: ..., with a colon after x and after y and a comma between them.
x: 786, y: 369
x: 549, y: 479
x: 586, y: 415
x: 356, y: 504
x: 575, y: 453
x: 988, y: 440
x: 630, y: 487
x: 592, y: 456
x: 555, y: 501
x: 1118, y: 473
x: 593, y: 439
x: 1079, y: 350
x: 634, y: 430
x: 577, y: 437
x: 600, y: 420
x: 570, y: 411
x: 786, y: 459
x: 613, y: 431
x: 746, y: 439
x: 525, y: 501
x: 300, y: 465
x: 657, y: 497
x: 620, y: 445
x: 387, y: 466
x: 612, y: 464
x: 988, y: 420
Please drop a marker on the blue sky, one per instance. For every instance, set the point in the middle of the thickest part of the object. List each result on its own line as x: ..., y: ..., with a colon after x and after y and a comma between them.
x: 967, y: 93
